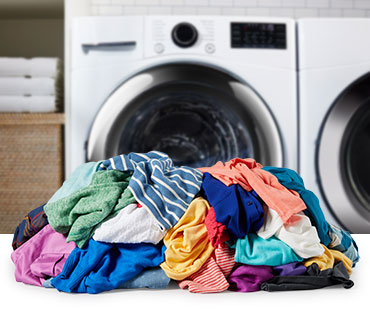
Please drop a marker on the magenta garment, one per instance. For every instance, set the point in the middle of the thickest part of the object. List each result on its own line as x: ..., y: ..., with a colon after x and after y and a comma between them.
x: 41, y: 257
x: 248, y: 278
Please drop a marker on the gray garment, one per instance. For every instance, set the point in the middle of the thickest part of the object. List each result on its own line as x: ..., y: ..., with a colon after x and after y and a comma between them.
x: 313, y: 279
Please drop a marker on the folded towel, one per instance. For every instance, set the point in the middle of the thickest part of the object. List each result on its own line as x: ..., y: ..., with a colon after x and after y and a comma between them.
x: 28, y: 104
x: 21, y: 86
x: 35, y: 67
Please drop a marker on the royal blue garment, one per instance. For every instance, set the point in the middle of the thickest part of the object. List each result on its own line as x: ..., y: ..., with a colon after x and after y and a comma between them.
x: 327, y: 233
x: 239, y: 210
x: 104, y: 266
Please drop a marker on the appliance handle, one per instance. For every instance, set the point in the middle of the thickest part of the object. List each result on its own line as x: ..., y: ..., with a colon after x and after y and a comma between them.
x: 126, y: 45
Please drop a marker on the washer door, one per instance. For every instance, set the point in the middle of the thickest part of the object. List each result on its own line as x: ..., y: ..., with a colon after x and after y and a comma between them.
x: 196, y: 114
x: 343, y: 157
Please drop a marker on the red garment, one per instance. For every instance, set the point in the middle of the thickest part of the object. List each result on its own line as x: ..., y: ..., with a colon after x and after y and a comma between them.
x: 211, y: 277
x: 217, y: 232
x: 249, y: 175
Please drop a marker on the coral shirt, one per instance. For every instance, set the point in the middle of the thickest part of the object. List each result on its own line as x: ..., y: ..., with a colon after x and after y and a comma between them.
x: 249, y: 175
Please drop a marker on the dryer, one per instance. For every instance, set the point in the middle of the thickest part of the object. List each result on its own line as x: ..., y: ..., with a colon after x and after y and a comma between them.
x: 201, y: 89
x: 334, y: 107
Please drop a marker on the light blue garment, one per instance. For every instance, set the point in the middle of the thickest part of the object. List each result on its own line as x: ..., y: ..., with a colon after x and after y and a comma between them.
x: 343, y: 242
x: 165, y: 190
x: 152, y: 278
x: 47, y: 283
x: 257, y: 251
x: 80, y: 178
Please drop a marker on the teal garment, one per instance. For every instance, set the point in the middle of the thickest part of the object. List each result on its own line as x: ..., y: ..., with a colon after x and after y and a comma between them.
x: 83, y: 211
x: 80, y: 178
x: 291, y: 180
x: 257, y: 251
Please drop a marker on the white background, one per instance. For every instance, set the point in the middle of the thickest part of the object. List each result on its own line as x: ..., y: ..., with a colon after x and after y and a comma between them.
x: 20, y: 301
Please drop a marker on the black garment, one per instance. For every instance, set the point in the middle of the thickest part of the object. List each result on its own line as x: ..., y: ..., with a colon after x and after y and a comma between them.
x: 313, y: 279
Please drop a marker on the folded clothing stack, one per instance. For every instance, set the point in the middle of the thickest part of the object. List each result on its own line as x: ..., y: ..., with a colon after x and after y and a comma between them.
x: 136, y: 220
x: 30, y: 85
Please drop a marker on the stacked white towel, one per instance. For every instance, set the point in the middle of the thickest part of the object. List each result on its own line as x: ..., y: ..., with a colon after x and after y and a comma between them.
x: 30, y: 85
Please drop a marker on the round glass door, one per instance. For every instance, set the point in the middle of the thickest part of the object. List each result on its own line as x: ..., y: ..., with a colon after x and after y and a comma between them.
x: 195, y: 114
x: 344, y: 157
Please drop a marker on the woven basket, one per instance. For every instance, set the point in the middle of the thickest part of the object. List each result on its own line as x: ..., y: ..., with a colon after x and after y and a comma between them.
x: 31, y: 163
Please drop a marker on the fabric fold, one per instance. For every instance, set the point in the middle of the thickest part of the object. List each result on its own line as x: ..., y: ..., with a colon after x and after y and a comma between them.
x: 250, y: 176
x: 163, y: 189
x: 103, y: 266
x: 80, y: 213
x: 297, y: 233
x: 211, y: 277
x: 187, y: 243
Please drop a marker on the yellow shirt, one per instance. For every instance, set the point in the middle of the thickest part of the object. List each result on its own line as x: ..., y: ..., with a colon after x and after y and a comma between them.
x: 328, y: 259
x: 187, y: 243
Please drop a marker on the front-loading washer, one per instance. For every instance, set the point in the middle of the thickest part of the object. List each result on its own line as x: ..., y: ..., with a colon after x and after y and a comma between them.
x: 334, y: 108
x: 201, y: 89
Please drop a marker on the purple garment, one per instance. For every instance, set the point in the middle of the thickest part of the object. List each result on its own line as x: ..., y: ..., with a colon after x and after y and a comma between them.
x: 290, y: 269
x: 248, y: 278
x: 41, y: 257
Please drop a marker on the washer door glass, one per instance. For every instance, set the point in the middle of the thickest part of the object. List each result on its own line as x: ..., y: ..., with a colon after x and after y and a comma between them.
x: 344, y: 157
x: 194, y: 129
x: 195, y: 114
x: 357, y: 155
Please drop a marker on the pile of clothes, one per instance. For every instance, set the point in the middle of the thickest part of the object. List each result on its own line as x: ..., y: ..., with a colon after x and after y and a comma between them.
x: 138, y: 221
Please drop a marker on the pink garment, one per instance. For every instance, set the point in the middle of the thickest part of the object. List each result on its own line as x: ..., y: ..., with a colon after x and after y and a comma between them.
x: 250, y: 176
x: 41, y: 256
x: 217, y: 232
x: 211, y: 277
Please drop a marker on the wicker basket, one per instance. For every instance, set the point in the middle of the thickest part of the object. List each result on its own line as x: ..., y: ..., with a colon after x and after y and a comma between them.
x: 31, y: 163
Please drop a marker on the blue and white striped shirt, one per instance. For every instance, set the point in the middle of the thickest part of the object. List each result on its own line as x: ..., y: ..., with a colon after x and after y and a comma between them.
x: 165, y: 190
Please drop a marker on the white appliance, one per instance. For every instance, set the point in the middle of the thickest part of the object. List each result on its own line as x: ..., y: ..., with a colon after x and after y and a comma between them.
x: 200, y: 89
x: 334, y: 87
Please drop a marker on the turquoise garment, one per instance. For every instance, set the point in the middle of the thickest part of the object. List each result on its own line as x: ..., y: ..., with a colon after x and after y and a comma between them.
x: 80, y: 178
x: 291, y: 180
x: 257, y: 251
x: 330, y: 236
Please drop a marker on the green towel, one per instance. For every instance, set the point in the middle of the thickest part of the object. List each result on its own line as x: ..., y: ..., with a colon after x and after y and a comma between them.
x: 80, y: 213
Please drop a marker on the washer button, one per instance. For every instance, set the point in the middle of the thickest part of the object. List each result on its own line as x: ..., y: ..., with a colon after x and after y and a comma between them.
x: 210, y: 48
x: 159, y: 48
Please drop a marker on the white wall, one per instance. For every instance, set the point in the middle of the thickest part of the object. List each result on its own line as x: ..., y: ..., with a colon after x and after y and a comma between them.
x: 286, y: 8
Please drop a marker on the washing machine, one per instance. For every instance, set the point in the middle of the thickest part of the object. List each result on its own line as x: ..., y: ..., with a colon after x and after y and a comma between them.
x: 334, y: 113
x: 200, y: 89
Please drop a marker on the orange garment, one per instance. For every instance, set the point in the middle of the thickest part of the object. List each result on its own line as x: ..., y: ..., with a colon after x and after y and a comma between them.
x: 328, y: 259
x: 250, y: 176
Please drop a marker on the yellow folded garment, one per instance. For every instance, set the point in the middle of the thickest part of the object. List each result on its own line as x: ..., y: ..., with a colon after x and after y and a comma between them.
x: 328, y: 259
x: 187, y: 243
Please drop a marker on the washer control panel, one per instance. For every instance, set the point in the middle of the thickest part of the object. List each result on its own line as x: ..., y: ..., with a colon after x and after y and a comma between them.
x: 258, y: 35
